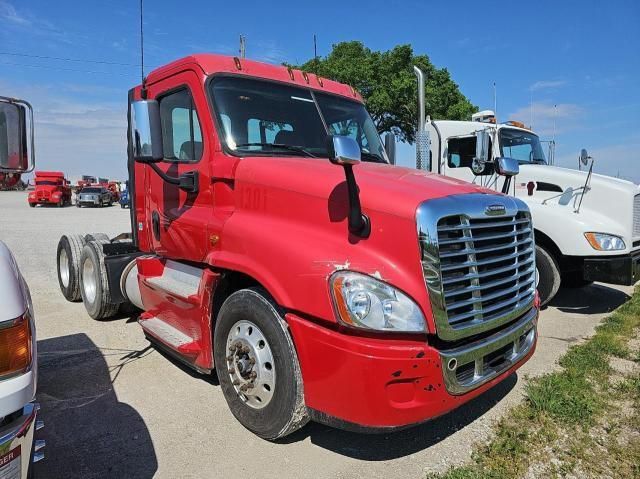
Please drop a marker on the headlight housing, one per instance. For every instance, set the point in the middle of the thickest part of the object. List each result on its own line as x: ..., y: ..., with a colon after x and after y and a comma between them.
x: 367, y: 303
x: 605, y: 242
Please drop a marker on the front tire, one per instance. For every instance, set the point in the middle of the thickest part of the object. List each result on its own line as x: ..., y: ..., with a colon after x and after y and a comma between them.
x: 548, y: 275
x: 68, y: 262
x: 257, y: 365
x: 94, y: 285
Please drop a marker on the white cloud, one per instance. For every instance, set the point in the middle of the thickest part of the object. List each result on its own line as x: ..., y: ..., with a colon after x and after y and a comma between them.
x: 541, y: 116
x: 9, y: 14
x: 547, y: 85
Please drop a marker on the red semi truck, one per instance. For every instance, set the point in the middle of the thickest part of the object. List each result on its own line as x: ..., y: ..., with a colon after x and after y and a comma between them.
x: 51, y: 188
x: 272, y: 241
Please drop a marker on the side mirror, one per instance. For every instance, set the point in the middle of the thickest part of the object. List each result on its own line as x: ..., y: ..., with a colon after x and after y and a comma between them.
x: 343, y: 150
x: 14, y: 149
x: 390, y: 147
x: 584, y: 157
x: 482, y: 151
x: 146, y: 131
x: 507, y: 166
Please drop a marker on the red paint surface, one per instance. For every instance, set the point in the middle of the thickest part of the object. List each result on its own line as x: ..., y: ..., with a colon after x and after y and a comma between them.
x: 283, y: 221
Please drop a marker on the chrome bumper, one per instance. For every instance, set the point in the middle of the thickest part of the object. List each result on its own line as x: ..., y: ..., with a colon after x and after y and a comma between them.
x: 18, y: 436
x: 467, y: 367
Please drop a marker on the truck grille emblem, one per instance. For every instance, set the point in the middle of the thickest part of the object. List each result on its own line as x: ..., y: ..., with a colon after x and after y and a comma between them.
x: 495, y: 210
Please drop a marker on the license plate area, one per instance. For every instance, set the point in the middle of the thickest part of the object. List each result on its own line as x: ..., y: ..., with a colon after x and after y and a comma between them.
x: 11, y: 464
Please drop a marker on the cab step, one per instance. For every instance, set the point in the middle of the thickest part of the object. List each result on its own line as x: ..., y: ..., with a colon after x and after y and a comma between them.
x: 165, y: 332
x: 178, y: 279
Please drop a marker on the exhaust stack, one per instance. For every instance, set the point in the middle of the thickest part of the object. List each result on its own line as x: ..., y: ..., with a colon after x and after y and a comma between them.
x: 423, y: 159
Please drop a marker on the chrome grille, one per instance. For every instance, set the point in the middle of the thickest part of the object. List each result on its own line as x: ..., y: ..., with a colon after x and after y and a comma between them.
x: 636, y: 216
x: 479, y: 268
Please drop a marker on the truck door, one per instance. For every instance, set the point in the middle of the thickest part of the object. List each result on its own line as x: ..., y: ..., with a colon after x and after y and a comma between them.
x: 177, y: 220
x: 459, y: 153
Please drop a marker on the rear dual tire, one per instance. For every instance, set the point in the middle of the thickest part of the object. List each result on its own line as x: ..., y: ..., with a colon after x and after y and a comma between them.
x: 68, y: 263
x: 94, y: 285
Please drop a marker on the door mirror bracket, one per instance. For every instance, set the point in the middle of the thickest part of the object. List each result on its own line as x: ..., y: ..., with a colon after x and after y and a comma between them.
x: 345, y: 151
x: 188, y: 181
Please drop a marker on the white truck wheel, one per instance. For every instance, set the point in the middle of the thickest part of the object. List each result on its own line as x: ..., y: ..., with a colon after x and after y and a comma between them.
x: 94, y: 285
x: 68, y: 262
x: 548, y: 280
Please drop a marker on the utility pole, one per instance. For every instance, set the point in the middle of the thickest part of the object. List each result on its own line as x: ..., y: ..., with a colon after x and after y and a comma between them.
x: 243, y: 46
x: 495, y: 100
x: 141, y: 44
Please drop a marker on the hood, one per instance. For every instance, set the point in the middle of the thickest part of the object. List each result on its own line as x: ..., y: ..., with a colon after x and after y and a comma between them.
x: 565, y: 178
x: 385, y: 188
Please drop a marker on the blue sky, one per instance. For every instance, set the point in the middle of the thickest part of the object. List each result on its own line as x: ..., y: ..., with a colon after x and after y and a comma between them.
x: 583, y: 56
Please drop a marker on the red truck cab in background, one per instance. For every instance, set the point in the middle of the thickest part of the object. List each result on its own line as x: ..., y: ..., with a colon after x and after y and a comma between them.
x: 272, y: 241
x: 51, y: 188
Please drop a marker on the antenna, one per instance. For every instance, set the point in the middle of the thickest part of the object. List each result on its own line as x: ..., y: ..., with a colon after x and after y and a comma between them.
x: 531, y: 109
x: 243, y: 46
x: 141, y: 43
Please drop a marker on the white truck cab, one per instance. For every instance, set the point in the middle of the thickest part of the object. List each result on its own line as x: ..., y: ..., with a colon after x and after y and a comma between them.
x: 18, y: 352
x: 587, y: 226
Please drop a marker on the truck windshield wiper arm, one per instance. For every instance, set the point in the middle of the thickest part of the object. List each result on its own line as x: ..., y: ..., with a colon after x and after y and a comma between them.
x: 281, y: 146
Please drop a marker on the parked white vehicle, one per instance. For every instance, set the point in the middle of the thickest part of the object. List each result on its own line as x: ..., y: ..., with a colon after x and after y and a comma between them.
x: 587, y: 226
x: 18, y: 351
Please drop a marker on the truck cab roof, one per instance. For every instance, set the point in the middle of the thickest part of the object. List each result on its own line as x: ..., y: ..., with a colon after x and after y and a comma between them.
x: 211, y: 64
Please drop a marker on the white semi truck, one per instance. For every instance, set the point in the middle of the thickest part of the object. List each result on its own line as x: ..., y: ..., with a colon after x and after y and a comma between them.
x: 18, y: 356
x: 587, y: 226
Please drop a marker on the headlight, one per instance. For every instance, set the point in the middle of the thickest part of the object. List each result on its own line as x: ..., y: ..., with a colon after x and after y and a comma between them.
x: 365, y: 302
x: 605, y: 242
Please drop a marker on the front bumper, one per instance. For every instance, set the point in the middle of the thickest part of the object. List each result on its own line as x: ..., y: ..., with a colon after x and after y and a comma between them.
x: 381, y: 384
x: 16, y: 441
x: 624, y: 270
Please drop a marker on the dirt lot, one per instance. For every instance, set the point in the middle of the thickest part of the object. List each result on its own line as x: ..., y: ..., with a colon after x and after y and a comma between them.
x: 115, y: 407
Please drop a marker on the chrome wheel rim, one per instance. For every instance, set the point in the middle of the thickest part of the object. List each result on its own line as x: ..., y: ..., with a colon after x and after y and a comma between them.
x: 63, y: 267
x: 89, y: 281
x: 537, y: 278
x: 250, y: 364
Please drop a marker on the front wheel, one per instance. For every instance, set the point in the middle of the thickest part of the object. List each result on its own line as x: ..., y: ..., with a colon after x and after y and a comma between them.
x: 257, y: 365
x: 547, y: 275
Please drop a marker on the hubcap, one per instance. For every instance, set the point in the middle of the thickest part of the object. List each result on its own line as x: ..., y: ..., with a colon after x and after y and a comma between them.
x: 89, y: 280
x: 250, y: 364
x: 63, y: 266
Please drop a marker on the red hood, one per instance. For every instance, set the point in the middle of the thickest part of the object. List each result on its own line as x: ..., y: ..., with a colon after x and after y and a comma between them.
x: 390, y: 189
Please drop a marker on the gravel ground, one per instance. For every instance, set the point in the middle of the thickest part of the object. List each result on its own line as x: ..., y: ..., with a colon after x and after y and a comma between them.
x: 115, y: 407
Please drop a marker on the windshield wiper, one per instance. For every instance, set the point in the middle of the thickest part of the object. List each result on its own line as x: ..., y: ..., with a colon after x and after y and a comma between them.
x: 281, y: 146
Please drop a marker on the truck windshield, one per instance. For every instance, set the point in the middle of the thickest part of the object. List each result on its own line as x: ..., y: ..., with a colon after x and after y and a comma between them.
x: 262, y: 118
x: 49, y: 183
x: 91, y: 190
x: 522, y: 146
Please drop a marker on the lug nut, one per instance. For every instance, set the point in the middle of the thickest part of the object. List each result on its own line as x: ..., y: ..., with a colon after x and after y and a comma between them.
x: 236, y: 382
x: 253, y: 375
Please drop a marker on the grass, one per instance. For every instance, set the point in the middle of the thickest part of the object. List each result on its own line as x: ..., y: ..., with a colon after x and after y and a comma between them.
x: 572, y: 421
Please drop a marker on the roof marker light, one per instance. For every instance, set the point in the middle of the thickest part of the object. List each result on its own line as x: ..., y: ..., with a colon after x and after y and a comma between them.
x: 237, y: 62
x: 306, y: 77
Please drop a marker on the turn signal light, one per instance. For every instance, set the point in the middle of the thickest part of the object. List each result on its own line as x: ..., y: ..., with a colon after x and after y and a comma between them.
x: 15, y: 346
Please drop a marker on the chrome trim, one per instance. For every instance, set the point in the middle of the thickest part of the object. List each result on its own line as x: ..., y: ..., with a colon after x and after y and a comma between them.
x: 468, y: 209
x: 476, y: 354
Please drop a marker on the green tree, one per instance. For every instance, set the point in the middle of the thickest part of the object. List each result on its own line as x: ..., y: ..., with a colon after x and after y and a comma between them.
x: 388, y: 85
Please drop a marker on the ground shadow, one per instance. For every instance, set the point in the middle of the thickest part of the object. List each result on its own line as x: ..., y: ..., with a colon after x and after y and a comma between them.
x: 383, y: 447
x: 89, y: 433
x: 593, y: 299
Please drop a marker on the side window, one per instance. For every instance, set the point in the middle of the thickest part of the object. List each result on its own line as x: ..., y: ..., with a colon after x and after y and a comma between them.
x: 461, y: 151
x: 181, y: 135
